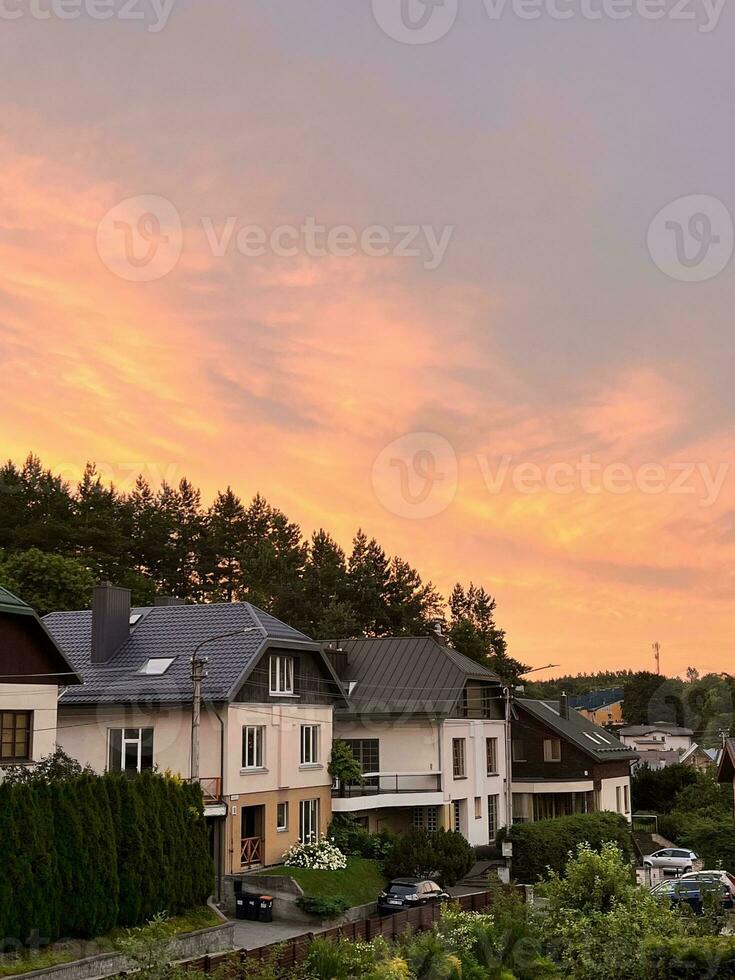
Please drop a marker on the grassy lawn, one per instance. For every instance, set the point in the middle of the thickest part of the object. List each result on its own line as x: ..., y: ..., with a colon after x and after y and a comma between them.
x: 358, y: 883
x: 11, y: 964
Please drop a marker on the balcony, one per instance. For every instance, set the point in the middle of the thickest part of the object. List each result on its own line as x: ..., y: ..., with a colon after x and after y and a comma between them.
x: 251, y: 852
x: 211, y: 787
x: 386, y: 789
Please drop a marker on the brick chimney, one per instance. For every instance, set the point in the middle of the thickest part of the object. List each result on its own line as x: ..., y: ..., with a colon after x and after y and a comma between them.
x: 110, y: 621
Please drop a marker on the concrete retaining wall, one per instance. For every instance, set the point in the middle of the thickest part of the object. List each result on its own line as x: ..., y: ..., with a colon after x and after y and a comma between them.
x: 192, y: 944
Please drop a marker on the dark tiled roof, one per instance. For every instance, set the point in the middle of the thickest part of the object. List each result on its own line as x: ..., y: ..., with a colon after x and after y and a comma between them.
x: 592, y: 739
x: 407, y: 674
x: 171, y: 631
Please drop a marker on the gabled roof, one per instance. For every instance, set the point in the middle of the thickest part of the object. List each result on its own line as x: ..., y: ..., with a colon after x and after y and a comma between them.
x: 584, y: 734
x: 407, y: 674
x: 61, y: 671
x: 696, y: 749
x: 659, y: 726
x: 726, y: 767
x: 174, y: 632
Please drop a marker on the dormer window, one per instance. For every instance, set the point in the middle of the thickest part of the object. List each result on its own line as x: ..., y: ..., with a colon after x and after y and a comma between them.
x: 281, y: 675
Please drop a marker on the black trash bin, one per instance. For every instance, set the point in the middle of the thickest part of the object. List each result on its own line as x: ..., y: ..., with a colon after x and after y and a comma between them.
x: 240, y: 907
x: 251, y: 907
x: 265, y: 908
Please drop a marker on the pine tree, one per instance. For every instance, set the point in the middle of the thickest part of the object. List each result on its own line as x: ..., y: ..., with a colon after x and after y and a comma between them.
x: 367, y: 585
x: 222, y: 569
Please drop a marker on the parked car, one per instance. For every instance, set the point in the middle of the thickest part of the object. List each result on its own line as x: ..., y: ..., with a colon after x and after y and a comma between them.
x: 725, y: 878
x: 410, y: 893
x: 674, y: 858
x: 692, y: 893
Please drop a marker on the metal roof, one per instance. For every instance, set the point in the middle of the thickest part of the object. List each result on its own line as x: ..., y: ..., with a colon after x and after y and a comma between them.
x: 173, y: 631
x: 11, y: 603
x: 592, y: 739
x: 594, y: 700
x: 407, y: 674
x: 63, y: 672
x: 658, y: 726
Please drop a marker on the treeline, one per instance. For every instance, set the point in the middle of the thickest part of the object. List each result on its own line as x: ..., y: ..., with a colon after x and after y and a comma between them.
x: 58, y: 541
x: 83, y: 855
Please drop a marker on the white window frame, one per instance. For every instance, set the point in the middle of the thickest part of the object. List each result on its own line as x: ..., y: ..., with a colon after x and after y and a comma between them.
x: 459, y: 758
x: 308, y: 821
x: 281, y: 825
x: 136, y: 740
x: 626, y: 798
x: 457, y: 816
x: 552, y: 750
x: 492, y: 816
x: 491, y: 755
x: 281, y: 675
x: 256, y: 760
x: 310, y: 745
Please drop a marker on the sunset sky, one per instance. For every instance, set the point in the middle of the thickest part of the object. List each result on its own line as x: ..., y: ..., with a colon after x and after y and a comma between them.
x: 546, y: 334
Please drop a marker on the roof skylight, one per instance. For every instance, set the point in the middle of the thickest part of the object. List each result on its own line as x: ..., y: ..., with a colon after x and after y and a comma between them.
x: 156, y: 665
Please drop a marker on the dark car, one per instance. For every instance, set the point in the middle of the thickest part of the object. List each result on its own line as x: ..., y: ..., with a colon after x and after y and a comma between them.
x: 692, y: 893
x: 409, y: 893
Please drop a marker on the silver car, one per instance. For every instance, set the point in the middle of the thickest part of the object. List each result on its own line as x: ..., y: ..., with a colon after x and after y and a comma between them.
x: 675, y: 858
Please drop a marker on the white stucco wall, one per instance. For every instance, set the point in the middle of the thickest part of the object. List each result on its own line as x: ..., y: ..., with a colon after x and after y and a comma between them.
x: 608, y: 795
x: 426, y: 746
x: 282, y: 756
x: 41, y: 700
x: 83, y: 734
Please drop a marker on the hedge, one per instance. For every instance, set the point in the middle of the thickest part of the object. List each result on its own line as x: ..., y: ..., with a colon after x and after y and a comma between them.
x: 693, y: 958
x: 548, y: 843
x: 83, y: 855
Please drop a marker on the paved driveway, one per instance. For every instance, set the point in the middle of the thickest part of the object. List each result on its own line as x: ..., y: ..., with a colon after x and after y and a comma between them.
x: 250, y: 935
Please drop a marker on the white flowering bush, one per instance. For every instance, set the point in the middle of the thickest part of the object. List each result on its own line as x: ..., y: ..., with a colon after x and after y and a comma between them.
x: 322, y: 854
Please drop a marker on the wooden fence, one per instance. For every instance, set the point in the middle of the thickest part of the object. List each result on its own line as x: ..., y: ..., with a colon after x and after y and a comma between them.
x: 291, y: 952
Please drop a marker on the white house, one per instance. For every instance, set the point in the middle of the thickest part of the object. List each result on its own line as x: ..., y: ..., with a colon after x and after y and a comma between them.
x: 427, y: 725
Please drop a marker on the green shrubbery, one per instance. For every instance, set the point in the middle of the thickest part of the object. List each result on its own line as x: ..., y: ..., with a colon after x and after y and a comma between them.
x: 352, y: 838
x: 82, y: 855
x: 548, y: 843
x: 323, y: 908
x: 690, y: 958
x: 444, y: 855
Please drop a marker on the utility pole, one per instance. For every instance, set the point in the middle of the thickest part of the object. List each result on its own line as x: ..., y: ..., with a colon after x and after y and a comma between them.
x: 198, y: 673
x: 656, y: 647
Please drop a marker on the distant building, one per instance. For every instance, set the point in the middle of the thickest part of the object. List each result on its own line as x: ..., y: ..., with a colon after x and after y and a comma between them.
x: 600, y: 707
x: 658, y: 744
x: 699, y: 758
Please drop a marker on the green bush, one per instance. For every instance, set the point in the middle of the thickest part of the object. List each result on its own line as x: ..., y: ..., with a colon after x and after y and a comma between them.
x: 352, y: 838
x: 323, y: 908
x: 83, y: 854
x: 444, y: 855
x: 548, y: 843
x: 690, y: 958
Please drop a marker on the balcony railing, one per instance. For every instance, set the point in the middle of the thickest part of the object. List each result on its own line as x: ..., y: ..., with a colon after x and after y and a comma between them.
x: 211, y: 788
x: 377, y: 783
x: 251, y: 851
